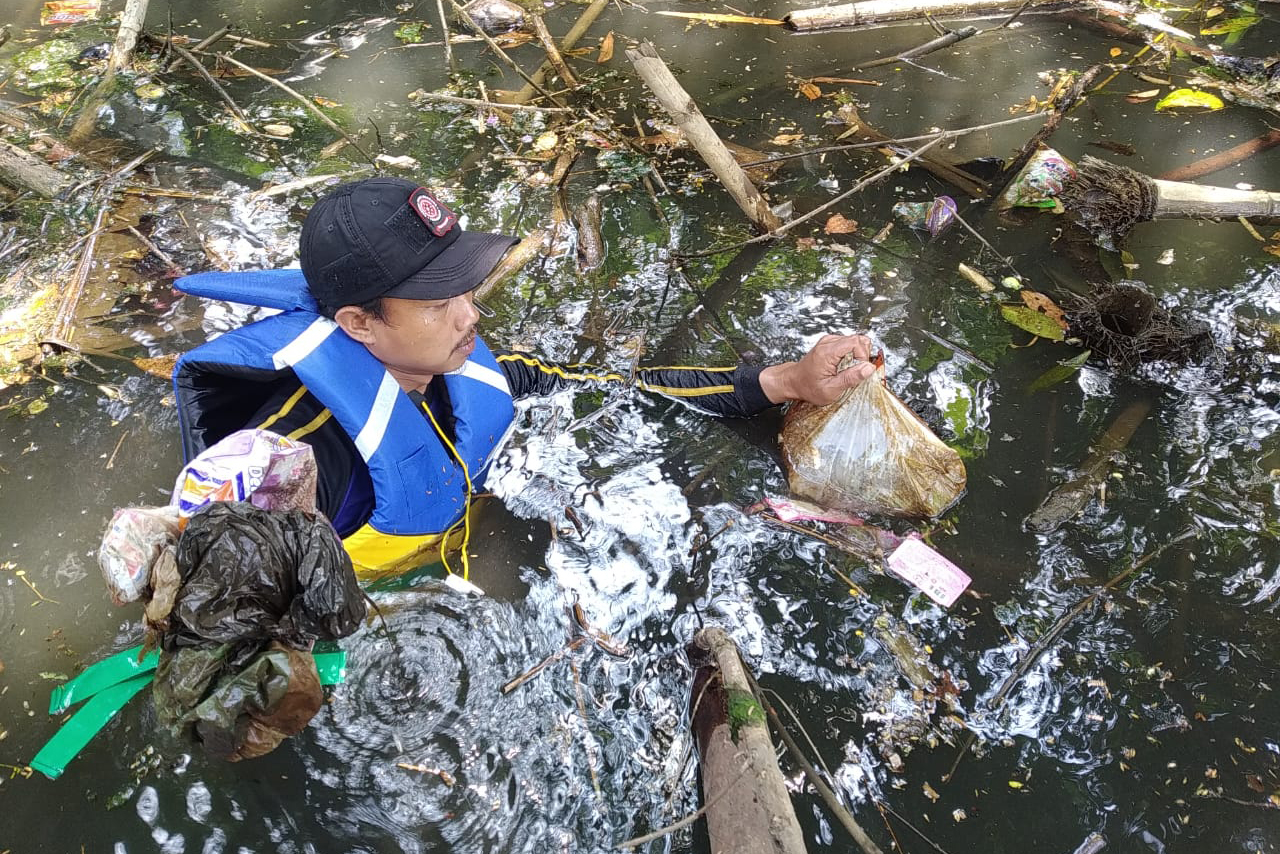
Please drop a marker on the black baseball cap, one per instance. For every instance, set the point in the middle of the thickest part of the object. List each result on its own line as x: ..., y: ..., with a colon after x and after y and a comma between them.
x: 388, y: 237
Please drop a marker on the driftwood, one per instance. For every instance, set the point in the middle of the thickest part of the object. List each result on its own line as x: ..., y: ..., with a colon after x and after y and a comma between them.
x: 519, y: 255
x: 553, y: 53
x: 576, y: 32
x: 1067, y: 499
x: 1223, y: 159
x: 1109, y: 200
x: 749, y: 808
x: 936, y: 165
x: 884, y: 11
x: 25, y: 171
x: 135, y: 11
x: 677, y: 102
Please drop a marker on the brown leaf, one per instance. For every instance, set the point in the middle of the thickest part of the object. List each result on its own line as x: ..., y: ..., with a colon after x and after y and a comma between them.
x: 159, y: 366
x: 837, y: 224
x: 786, y: 138
x: 1116, y: 51
x: 809, y: 90
x: 1253, y: 781
x: 1040, y: 302
x: 606, y: 48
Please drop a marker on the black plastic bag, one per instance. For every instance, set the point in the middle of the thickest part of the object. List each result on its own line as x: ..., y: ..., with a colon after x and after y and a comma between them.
x: 259, y: 575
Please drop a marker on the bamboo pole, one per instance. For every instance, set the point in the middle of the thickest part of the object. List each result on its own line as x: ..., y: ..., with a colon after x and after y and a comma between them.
x: 28, y: 172
x: 1109, y: 200
x: 882, y: 11
x: 576, y: 32
x: 682, y: 108
x: 749, y: 812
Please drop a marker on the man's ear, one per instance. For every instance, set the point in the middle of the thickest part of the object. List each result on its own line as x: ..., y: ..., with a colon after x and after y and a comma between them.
x: 356, y: 322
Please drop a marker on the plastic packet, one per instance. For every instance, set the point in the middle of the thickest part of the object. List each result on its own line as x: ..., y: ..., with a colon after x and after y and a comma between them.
x: 935, y: 216
x: 1040, y: 182
x: 133, y: 541
x: 267, y: 470
x: 869, y: 453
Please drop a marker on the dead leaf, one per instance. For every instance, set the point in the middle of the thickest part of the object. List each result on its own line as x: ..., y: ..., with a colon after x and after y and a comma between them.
x: 1116, y: 51
x: 930, y: 793
x: 1139, y: 97
x: 1253, y: 781
x: 325, y: 102
x: 787, y: 138
x: 809, y: 90
x: 606, y: 48
x: 715, y: 18
x: 803, y: 243
x: 1040, y: 302
x: 837, y: 224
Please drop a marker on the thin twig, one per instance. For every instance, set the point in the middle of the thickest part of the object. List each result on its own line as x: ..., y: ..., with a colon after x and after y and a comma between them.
x: 1266, y: 805
x: 316, y: 111
x: 203, y: 44
x: 111, y: 461
x: 444, y: 29
x: 476, y: 102
x: 502, y: 54
x: 1007, y: 261
x: 829, y: 797
x: 174, y: 269
x: 691, y: 818
x: 946, y: 39
x: 542, y: 665
x: 790, y: 224
x: 1050, y: 637
x: 882, y: 143
x: 186, y: 56
x: 1009, y: 20
x: 918, y: 831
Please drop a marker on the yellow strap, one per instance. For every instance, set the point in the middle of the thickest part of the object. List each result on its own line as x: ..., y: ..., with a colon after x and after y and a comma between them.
x: 312, y: 425
x: 685, y: 392
x: 465, y: 521
x: 285, y: 409
x: 558, y: 371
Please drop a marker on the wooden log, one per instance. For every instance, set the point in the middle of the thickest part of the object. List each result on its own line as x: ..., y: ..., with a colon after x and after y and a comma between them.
x: 1224, y: 159
x: 25, y: 171
x: 1109, y: 200
x: 682, y: 108
x: 883, y: 11
x: 748, y: 809
x: 576, y: 32
x: 1067, y: 499
x: 135, y: 11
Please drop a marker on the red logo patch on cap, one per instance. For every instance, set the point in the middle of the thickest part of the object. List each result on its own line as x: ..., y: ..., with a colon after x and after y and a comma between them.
x: 433, y: 212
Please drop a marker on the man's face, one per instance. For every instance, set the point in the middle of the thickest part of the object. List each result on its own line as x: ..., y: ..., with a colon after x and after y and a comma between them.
x: 422, y: 338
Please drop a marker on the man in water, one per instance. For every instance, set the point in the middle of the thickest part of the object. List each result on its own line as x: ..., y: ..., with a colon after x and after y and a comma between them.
x: 376, y: 363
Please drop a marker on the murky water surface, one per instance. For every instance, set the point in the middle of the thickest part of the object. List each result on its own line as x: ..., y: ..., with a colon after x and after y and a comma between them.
x: 1159, y: 693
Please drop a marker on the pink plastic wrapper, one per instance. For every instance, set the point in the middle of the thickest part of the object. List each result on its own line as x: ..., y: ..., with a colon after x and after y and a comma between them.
x: 133, y: 541
x: 940, y: 579
x: 258, y: 466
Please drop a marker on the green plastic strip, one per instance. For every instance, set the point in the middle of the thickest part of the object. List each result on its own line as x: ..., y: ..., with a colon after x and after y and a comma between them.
x: 68, y: 741
x: 97, y: 677
x: 105, y: 698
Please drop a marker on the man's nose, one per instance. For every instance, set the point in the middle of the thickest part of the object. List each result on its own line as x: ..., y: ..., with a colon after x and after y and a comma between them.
x: 467, y: 315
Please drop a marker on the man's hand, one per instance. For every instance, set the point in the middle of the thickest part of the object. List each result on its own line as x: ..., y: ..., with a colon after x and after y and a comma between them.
x: 816, y: 378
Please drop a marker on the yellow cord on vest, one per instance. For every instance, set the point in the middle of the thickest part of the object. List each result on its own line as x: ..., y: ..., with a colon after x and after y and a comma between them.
x: 465, y: 521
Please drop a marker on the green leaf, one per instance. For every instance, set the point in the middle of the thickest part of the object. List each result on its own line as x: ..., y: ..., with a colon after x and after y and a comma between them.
x: 1037, y: 323
x: 1058, y: 373
x: 1234, y: 25
x: 1189, y: 99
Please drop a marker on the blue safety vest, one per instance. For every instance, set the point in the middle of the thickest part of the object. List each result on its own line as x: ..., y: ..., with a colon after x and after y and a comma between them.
x: 419, y: 487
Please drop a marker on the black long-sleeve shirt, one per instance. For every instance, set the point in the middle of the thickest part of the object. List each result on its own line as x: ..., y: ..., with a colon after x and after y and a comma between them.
x: 296, y: 413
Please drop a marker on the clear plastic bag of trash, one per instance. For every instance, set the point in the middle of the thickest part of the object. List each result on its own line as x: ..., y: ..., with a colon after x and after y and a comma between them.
x: 134, y: 539
x: 263, y: 468
x: 869, y: 453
